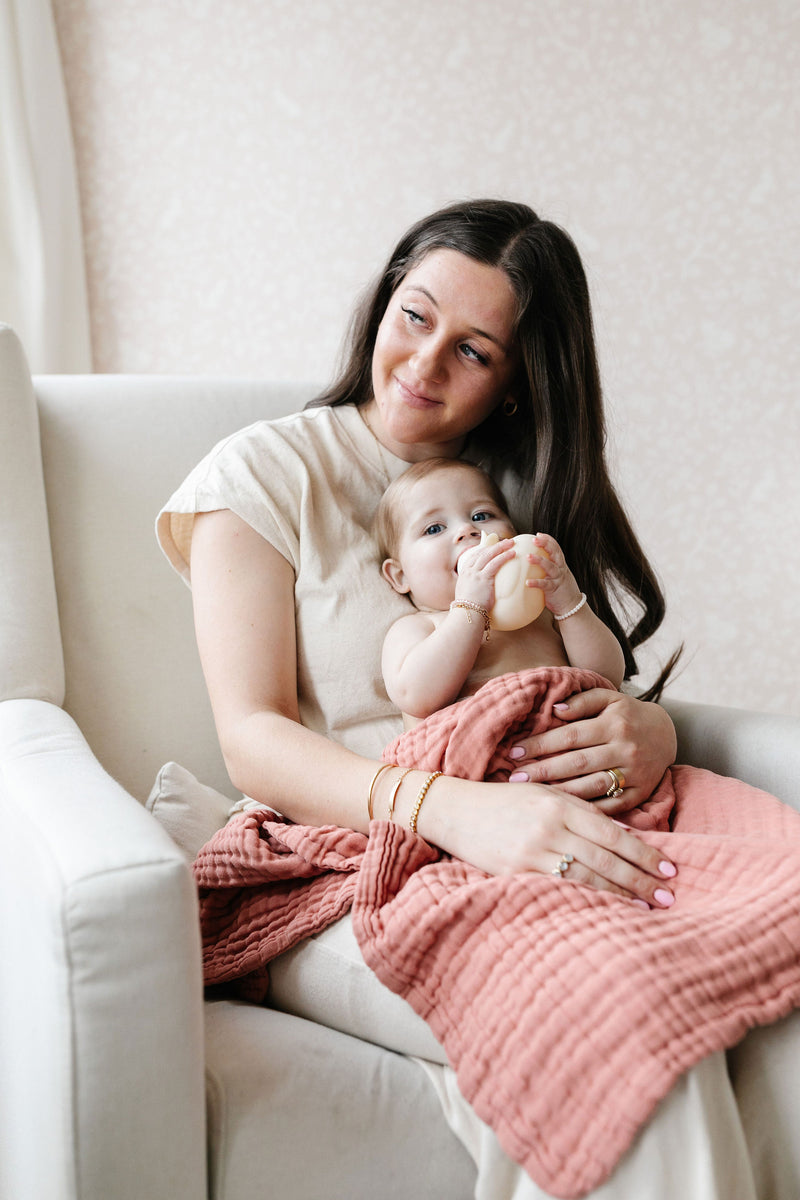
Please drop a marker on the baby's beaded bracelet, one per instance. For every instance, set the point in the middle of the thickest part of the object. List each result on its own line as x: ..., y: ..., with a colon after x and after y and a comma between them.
x: 572, y: 611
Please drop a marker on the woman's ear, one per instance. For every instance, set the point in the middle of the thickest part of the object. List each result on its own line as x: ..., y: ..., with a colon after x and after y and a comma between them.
x: 394, y: 574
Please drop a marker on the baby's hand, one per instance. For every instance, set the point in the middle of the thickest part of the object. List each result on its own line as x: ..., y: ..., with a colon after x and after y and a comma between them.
x: 561, y: 591
x: 476, y: 569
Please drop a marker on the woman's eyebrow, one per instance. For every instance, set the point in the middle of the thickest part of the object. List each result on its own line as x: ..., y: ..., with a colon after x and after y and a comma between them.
x: 417, y: 287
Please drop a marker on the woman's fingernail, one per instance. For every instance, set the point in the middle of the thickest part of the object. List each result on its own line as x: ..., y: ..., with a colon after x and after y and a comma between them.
x: 519, y: 777
x: 516, y: 752
x: 621, y: 824
x: 664, y: 898
x: 640, y: 903
x: 667, y: 869
x: 562, y: 707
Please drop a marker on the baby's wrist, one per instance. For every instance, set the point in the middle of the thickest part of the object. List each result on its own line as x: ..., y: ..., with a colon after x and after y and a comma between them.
x: 470, y: 607
x: 563, y: 613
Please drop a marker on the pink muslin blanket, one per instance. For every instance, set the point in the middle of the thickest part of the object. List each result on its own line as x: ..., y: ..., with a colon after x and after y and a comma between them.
x: 567, y: 1013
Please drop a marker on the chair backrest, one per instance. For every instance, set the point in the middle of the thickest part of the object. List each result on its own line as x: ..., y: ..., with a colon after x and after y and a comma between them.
x: 113, y: 449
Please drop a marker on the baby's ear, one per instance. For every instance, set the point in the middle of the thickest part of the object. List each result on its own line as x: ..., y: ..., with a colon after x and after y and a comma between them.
x: 393, y: 572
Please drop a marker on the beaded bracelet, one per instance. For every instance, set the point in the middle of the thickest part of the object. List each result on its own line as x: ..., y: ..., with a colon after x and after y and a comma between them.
x: 572, y: 611
x: 412, y: 824
x: 471, y: 608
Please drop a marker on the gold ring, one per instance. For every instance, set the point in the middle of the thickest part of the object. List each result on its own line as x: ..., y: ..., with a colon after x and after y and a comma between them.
x: 617, y: 782
x: 563, y: 865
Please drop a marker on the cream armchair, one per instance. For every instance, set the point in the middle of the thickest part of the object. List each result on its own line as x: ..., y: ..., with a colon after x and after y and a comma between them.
x: 117, y: 1080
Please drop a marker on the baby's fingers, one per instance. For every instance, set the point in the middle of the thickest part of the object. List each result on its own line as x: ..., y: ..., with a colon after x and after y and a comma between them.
x: 550, y: 546
x: 498, y: 556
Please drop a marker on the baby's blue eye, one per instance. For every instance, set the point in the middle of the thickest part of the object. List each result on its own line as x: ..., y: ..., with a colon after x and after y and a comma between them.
x: 432, y: 530
x: 482, y: 516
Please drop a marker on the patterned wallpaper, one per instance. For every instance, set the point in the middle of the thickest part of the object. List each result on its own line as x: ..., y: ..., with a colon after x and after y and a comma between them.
x: 245, y: 168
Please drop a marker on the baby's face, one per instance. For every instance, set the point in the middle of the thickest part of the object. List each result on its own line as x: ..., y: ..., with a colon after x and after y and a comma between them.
x: 445, y: 514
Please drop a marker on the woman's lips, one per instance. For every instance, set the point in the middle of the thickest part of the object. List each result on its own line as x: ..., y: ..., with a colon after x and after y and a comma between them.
x: 414, y: 397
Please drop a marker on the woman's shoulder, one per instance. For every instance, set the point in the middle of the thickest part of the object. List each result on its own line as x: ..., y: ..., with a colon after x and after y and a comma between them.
x: 308, y: 432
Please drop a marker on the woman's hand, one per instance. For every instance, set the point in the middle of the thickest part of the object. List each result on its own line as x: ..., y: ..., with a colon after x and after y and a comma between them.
x: 531, y: 828
x: 602, y: 729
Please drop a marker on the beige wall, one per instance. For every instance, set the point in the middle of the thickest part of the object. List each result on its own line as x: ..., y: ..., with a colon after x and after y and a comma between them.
x: 245, y: 166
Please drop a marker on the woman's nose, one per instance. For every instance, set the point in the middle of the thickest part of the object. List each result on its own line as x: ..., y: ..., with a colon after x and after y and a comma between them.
x: 427, y: 361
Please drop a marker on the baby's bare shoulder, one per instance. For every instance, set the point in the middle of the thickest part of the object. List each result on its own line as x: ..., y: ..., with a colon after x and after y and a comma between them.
x: 414, y: 624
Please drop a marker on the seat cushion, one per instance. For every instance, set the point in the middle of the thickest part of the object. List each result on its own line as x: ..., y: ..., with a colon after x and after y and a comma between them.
x: 297, y: 1110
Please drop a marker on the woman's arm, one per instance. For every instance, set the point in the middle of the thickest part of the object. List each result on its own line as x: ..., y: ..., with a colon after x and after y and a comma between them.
x: 244, y: 613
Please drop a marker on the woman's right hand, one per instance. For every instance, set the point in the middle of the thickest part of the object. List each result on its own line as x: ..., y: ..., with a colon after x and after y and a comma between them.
x: 532, y: 828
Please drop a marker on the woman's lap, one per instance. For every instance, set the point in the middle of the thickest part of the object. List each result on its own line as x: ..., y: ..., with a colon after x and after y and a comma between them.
x: 693, y: 1146
x: 325, y: 979
x: 726, y: 1113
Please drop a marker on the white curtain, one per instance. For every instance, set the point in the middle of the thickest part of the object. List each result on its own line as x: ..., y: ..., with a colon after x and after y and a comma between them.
x: 42, y: 272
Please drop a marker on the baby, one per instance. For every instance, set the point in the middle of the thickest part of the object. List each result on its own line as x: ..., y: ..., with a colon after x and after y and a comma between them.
x: 428, y: 526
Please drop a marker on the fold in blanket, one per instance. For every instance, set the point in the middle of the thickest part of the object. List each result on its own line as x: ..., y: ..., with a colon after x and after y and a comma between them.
x: 566, y: 1013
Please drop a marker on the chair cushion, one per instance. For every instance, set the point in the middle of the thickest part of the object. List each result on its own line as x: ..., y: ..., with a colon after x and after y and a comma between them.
x: 190, y: 811
x: 339, y: 1118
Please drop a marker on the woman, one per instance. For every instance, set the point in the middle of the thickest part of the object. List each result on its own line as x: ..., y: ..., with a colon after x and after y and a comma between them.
x: 476, y: 341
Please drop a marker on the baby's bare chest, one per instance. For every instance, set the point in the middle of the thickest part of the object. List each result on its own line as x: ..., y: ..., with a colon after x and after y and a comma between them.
x: 537, y: 645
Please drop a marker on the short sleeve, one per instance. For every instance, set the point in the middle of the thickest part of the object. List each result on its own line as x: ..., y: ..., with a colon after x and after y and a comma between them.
x: 256, y: 474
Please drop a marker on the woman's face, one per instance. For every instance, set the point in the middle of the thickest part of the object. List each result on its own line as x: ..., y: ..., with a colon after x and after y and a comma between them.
x: 444, y: 355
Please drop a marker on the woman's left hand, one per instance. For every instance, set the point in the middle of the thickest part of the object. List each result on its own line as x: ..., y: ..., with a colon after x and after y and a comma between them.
x: 602, y: 729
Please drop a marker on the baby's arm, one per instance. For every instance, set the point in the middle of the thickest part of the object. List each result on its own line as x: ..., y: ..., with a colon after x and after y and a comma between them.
x: 425, y: 661
x: 587, y: 641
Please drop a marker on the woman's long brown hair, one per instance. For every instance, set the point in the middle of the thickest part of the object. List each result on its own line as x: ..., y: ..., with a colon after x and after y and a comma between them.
x: 555, y: 442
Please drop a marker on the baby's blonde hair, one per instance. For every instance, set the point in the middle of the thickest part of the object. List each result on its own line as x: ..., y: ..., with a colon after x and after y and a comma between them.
x: 387, y: 523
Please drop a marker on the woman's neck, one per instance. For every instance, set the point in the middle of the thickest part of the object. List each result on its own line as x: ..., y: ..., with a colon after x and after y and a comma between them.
x: 410, y: 452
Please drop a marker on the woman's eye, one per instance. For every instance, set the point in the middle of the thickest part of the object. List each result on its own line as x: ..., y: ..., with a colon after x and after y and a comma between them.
x: 432, y: 530
x: 473, y: 354
x: 414, y: 317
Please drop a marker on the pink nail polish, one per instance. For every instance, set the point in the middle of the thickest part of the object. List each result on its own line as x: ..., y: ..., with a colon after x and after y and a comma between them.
x: 561, y: 707
x: 519, y: 777
x: 664, y: 898
x: 641, y: 903
x: 516, y: 752
x: 667, y: 869
x: 621, y: 824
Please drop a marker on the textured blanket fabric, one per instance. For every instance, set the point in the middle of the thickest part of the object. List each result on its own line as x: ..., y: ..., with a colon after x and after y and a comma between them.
x: 566, y: 1013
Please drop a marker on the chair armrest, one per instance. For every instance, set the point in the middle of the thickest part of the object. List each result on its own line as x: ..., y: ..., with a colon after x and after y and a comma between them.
x: 101, y: 1024
x: 762, y: 749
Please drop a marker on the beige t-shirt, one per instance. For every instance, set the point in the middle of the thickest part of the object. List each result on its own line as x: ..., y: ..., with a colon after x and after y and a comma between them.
x: 310, y: 483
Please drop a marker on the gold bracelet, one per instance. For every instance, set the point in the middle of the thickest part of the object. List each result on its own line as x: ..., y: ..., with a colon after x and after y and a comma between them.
x: 380, y: 770
x: 474, y: 608
x: 395, y: 790
x: 412, y: 824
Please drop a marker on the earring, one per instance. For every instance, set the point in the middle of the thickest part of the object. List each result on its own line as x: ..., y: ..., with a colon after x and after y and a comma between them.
x: 509, y: 406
